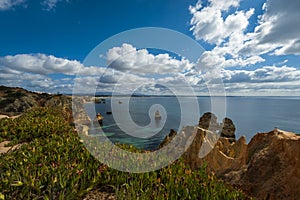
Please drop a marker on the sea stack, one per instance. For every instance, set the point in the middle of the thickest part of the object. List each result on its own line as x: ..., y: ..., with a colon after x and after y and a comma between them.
x: 99, y: 119
x: 228, y: 129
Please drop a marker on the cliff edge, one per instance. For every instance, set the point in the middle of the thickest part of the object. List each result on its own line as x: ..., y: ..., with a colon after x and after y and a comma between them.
x: 266, y: 168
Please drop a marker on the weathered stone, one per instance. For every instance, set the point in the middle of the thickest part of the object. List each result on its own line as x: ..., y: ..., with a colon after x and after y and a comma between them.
x: 81, y: 117
x: 82, y: 129
x: 228, y: 129
x: 219, y: 153
x: 267, y: 168
x: 209, y: 121
x: 168, y: 138
x: 273, y: 166
x: 15, y: 101
x: 98, y: 119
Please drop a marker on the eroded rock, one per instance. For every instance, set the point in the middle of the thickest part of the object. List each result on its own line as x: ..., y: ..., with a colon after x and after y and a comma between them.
x: 209, y: 121
x: 168, y: 138
x: 228, y: 129
x: 267, y: 168
x: 219, y: 153
x: 273, y: 166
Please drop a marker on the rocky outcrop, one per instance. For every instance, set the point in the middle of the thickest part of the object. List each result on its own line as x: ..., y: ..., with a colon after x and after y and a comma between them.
x: 220, y: 154
x: 209, y: 121
x: 98, y: 119
x: 272, y: 169
x: 15, y: 101
x: 267, y: 168
x: 228, y: 129
x: 168, y: 138
x: 79, y: 113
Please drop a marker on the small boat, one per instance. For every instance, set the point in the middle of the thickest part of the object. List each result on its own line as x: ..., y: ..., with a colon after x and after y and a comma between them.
x: 108, y: 112
x: 120, y: 102
x: 99, y: 118
x: 157, y: 115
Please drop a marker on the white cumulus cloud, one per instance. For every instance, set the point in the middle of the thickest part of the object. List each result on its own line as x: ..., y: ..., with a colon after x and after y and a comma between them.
x: 127, y: 58
x: 210, y: 24
x: 276, y: 33
x: 10, y: 4
x: 278, y: 30
x: 51, y: 4
x: 262, y: 75
x: 40, y: 64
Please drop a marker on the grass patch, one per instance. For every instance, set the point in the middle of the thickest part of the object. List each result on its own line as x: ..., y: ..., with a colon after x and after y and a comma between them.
x: 54, y: 164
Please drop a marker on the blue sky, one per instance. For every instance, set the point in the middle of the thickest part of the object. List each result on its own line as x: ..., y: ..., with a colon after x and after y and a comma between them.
x: 252, y: 46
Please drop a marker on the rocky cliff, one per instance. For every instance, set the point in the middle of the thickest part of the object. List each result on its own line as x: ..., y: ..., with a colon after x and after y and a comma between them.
x: 272, y: 169
x: 15, y: 101
x: 266, y: 168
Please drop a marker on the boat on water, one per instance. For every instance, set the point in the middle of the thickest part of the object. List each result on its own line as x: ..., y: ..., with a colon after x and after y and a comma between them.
x: 157, y: 115
x: 120, y: 102
x: 99, y: 118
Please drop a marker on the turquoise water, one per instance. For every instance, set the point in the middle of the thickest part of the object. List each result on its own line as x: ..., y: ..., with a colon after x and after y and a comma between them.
x: 249, y: 114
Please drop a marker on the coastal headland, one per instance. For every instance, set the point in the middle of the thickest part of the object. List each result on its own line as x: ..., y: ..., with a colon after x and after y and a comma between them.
x: 268, y: 167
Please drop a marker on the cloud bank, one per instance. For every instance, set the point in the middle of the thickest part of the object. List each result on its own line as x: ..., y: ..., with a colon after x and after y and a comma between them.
x: 128, y: 68
x: 10, y: 4
x: 239, y: 55
x: 250, y: 49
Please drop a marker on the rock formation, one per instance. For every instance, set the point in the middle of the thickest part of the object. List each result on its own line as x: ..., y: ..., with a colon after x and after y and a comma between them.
x: 209, y: 121
x: 220, y: 154
x: 168, y: 138
x: 79, y: 113
x: 267, y: 168
x: 98, y: 119
x: 272, y: 169
x: 82, y: 129
x: 15, y: 101
x: 228, y: 129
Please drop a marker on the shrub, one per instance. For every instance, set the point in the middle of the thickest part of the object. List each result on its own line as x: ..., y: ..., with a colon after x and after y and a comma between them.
x: 54, y: 164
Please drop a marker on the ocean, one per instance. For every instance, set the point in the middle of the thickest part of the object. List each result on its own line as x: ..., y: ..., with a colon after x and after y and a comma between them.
x: 249, y: 114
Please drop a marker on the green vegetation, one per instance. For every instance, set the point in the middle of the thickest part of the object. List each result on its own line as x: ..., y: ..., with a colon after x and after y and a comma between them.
x: 10, y: 97
x: 54, y: 164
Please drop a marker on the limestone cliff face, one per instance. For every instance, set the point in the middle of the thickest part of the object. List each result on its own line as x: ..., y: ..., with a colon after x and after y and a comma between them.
x: 267, y: 168
x: 273, y: 166
x: 220, y: 154
x: 79, y: 113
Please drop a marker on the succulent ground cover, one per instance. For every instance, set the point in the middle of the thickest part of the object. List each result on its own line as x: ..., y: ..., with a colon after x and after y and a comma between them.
x: 54, y: 164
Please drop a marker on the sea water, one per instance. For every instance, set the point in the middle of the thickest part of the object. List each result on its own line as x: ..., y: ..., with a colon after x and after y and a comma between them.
x: 249, y: 114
